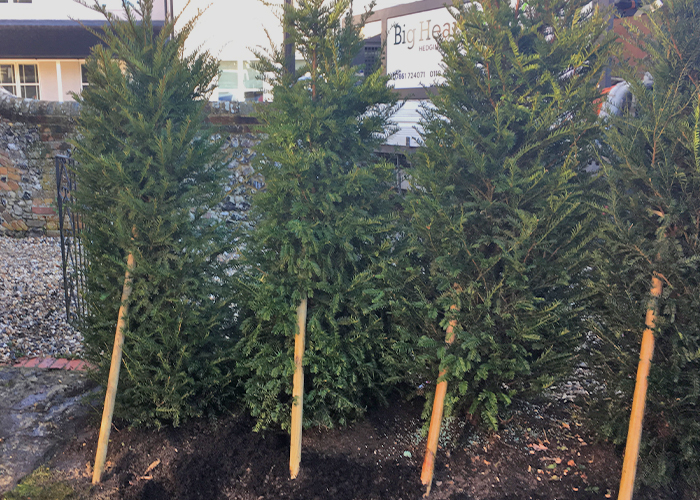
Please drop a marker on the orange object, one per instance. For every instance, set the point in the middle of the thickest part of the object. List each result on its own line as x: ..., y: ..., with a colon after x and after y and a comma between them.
x: 426, y: 476
x: 298, y: 391
x: 634, y: 434
x: 599, y: 101
x: 108, y: 412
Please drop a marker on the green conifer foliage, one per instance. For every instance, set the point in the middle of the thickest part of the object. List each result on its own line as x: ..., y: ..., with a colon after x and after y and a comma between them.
x: 652, y: 225
x: 148, y: 173
x: 323, y: 228
x: 497, y: 213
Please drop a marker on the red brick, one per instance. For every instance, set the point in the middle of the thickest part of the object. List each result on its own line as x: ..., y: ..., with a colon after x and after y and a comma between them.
x: 46, y: 362
x: 12, y: 185
x: 80, y: 366
x: 32, y: 363
x: 73, y: 365
x: 13, y: 176
x: 3, y: 170
x: 43, y: 210
x: 20, y: 362
x: 4, y: 187
x: 60, y: 363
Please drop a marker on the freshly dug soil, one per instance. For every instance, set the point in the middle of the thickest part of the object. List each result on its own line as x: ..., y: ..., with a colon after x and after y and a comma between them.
x: 542, y: 453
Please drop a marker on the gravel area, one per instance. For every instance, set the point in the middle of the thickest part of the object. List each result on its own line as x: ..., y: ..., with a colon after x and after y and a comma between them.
x: 32, y: 307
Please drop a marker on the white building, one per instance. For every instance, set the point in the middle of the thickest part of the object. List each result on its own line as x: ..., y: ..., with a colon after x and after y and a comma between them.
x: 42, y: 49
x: 233, y: 29
x: 43, y: 46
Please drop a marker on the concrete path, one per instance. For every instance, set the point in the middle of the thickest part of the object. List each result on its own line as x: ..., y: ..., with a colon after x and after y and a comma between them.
x: 40, y: 409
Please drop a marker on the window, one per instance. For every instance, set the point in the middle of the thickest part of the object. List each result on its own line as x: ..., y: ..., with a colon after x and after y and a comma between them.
x: 21, y: 80
x: 251, y: 77
x: 238, y: 80
x: 83, y: 77
x: 7, y: 77
x: 29, y: 80
x: 228, y: 80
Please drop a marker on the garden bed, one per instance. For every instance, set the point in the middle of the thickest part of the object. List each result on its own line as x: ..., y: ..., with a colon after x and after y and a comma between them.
x: 543, y: 452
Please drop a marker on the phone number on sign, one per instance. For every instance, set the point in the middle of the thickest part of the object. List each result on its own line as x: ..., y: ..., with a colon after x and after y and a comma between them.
x: 398, y: 75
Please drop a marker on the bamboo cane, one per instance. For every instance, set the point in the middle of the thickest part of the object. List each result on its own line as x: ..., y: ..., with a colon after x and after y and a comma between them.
x: 426, y: 476
x: 634, y: 434
x: 298, y: 391
x: 108, y: 412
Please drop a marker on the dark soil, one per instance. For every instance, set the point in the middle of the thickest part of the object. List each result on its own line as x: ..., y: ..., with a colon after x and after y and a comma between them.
x: 542, y: 452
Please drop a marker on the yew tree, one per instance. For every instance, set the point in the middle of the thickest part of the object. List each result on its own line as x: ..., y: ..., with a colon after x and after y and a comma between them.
x: 324, y: 227
x: 499, y: 224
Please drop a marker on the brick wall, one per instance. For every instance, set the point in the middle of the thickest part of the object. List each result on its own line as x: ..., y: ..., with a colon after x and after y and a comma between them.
x: 32, y: 133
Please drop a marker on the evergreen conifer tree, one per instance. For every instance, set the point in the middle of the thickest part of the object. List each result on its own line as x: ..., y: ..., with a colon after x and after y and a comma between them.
x: 148, y: 174
x: 498, y: 218
x: 652, y: 227
x: 324, y: 228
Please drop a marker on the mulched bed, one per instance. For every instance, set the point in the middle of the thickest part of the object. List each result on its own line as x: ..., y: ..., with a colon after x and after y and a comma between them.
x: 543, y: 452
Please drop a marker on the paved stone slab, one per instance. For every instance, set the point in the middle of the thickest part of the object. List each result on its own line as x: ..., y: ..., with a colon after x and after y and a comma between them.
x: 39, y: 410
x: 51, y: 363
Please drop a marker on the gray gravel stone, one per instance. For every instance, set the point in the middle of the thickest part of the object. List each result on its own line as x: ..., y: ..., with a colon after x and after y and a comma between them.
x: 32, y: 308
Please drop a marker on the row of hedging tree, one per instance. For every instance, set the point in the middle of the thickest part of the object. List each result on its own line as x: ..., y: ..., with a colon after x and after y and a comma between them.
x: 506, y: 233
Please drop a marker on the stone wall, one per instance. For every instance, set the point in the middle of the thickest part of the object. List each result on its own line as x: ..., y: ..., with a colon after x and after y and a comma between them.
x: 32, y: 133
x: 235, y: 123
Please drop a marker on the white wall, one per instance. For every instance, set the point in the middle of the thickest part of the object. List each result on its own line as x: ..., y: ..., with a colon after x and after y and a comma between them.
x: 65, y: 9
x: 47, y: 80
x: 229, y: 28
x: 71, y: 78
x: 385, y: 4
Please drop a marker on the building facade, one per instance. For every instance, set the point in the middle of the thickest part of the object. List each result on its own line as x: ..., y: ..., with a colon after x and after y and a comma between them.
x: 43, y: 45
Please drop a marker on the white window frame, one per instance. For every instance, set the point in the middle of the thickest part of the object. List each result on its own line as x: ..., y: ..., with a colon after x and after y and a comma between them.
x: 230, y: 92
x: 18, y: 85
x: 82, y: 83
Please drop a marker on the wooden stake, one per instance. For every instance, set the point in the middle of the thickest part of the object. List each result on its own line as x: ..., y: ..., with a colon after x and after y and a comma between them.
x: 298, y: 391
x: 108, y: 411
x: 426, y: 476
x: 634, y: 434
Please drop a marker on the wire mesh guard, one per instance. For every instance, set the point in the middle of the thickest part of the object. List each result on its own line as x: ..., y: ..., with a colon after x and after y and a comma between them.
x: 72, y: 254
